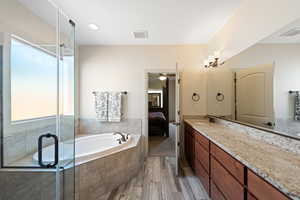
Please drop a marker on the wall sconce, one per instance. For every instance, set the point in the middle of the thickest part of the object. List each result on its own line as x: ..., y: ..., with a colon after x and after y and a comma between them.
x: 212, y: 61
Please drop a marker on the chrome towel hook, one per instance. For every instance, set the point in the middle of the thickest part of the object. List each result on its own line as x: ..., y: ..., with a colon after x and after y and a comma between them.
x: 195, y: 97
x: 220, y: 97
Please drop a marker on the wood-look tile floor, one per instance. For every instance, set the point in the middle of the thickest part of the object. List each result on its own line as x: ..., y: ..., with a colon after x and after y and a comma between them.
x: 161, y: 146
x: 158, y: 182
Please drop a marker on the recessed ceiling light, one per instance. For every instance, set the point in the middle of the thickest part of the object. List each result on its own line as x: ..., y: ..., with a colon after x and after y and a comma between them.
x: 93, y: 27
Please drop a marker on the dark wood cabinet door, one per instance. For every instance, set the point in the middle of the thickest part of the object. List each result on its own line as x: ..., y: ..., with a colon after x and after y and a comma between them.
x: 232, y: 165
x: 202, y: 175
x: 215, y: 192
x: 202, y: 156
x: 228, y: 185
x: 263, y: 190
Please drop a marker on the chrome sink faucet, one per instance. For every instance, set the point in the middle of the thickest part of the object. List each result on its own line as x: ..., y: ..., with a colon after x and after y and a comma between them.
x: 123, y: 138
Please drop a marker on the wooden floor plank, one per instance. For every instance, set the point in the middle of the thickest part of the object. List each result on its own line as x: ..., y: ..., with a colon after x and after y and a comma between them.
x: 157, y: 181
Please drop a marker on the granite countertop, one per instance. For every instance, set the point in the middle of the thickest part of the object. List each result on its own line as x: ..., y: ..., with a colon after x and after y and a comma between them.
x: 279, y: 167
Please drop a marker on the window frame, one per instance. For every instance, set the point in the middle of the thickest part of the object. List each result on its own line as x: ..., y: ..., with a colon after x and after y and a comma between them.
x: 7, y: 110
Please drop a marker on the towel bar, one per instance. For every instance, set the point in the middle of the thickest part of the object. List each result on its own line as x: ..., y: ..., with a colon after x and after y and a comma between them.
x: 124, y: 92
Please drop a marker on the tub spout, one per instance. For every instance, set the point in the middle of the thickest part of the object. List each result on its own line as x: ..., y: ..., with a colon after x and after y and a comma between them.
x: 119, y: 140
x: 123, y: 138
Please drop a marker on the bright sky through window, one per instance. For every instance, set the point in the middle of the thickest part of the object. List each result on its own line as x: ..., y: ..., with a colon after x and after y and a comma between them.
x: 34, y: 83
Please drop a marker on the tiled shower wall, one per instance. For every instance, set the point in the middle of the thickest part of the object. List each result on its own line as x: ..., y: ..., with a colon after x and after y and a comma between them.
x: 21, y: 139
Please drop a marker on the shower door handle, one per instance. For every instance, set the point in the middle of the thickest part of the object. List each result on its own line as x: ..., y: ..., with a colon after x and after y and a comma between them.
x: 40, y: 151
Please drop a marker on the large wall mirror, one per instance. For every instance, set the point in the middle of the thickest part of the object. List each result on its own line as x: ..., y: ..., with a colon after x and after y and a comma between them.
x: 261, y: 85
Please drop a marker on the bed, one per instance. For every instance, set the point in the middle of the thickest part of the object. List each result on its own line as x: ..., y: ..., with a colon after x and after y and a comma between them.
x: 157, y: 124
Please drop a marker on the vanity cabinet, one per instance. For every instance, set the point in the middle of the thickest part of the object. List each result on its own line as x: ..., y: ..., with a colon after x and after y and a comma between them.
x: 234, y: 167
x: 224, y: 177
x: 189, y: 146
x: 201, y: 146
x: 263, y: 190
x: 226, y: 182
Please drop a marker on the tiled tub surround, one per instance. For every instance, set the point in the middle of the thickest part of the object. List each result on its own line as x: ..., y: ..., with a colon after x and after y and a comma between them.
x: 98, y: 176
x: 279, y: 166
x: 95, y: 176
x: 30, y: 184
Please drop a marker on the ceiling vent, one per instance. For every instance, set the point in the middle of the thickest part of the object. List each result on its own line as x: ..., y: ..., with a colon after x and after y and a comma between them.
x: 140, y: 34
x: 291, y: 33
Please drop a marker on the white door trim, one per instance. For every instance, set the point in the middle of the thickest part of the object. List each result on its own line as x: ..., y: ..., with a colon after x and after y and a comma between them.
x: 147, y: 71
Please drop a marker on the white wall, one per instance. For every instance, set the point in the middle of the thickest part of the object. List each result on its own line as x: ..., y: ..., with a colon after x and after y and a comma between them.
x: 123, y: 68
x: 286, y: 76
x: 252, y: 22
x: 220, y: 80
x: 19, y: 20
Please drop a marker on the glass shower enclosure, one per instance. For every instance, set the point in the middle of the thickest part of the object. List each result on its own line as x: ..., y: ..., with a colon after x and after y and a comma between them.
x: 37, y: 66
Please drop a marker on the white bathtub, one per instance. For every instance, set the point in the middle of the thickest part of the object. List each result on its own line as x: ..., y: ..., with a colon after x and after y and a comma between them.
x: 85, y: 146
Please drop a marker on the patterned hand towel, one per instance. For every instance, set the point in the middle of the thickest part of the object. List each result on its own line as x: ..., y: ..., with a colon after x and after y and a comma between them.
x: 101, y: 106
x: 297, y: 106
x: 114, y: 106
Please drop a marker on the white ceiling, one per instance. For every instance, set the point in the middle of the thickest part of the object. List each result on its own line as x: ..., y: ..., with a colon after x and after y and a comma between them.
x: 276, y: 38
x: 167, y: 21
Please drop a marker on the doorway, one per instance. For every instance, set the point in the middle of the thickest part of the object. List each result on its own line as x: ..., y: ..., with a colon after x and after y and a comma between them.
x: 162, y: 114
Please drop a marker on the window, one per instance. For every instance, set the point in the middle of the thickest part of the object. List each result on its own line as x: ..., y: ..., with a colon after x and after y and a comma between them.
x: 33, y: 81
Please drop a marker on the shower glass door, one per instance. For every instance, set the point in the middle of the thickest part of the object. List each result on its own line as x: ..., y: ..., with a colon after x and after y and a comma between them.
x: 67, y: 105
x: 37, y: 101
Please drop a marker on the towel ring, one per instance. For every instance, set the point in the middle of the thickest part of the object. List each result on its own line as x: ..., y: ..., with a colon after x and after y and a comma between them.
x: 220, y: 97
x: 196, y: 97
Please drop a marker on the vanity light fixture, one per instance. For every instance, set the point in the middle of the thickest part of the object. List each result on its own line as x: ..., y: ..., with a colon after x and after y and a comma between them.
x: 212, y: 61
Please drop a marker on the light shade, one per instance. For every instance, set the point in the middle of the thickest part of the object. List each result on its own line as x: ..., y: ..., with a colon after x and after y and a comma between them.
x: 162, y: 78
x: 206, y: 62
x: 217, y: 54
x: 210, y: 59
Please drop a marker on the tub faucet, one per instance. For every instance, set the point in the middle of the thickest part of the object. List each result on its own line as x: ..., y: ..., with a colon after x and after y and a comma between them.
x: 123, y: 138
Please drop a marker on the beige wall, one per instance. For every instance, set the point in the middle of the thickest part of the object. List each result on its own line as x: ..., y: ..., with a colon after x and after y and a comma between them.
x: 286, y: 61
x: 252, y: 22
x: 123, y: 68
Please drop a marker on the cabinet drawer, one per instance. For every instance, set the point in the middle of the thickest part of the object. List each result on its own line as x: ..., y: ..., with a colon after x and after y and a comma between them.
x: 228, y: 185
x: 202, y: 140
x: 263, y: 190
x: 202, y: 175
x: 202, y: 156
x: 232, y: 165
x: 215, y: 192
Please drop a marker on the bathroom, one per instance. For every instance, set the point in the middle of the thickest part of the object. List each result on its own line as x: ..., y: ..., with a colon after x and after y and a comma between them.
x: 75, y: 99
